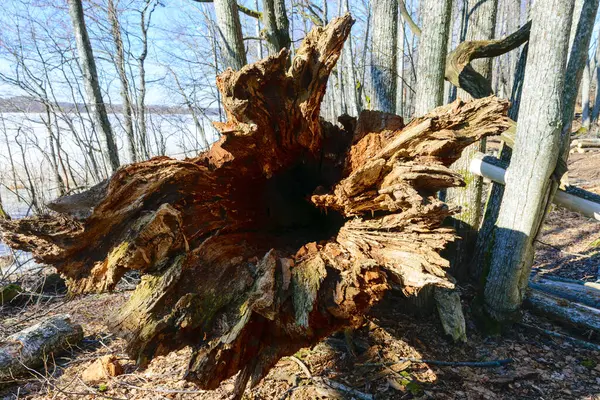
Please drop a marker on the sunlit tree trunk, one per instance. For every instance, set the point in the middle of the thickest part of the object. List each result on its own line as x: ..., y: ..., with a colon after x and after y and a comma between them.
x: 432, y: 54
x: 383, y: 54
x: 276, y: 25
x: 585, y: 96
x: 120, y: 66
x: 92, y: 85
x: 536, y: 151
x: 230, y: 34
x: 481, y: 25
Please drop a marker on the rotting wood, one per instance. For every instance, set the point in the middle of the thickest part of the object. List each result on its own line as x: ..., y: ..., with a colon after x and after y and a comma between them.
x: 30, y: 347
x: 285, y: 231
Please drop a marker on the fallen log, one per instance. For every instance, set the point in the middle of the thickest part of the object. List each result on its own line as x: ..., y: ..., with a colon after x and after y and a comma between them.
x: 559, y: 309
x: 572, y: 198
x: 577, y: 292
x: 585, y: 143
x: 32, y: 347
x: 285, y: 231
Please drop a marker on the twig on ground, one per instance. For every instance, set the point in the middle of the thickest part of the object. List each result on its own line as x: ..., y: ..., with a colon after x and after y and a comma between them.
x: 474, y: 364
x: 579, y: 342
x: 302, y: 366
x: 338, y: 386
x: 67, y: 393
x: 158, y: 389
x: 564, y: 251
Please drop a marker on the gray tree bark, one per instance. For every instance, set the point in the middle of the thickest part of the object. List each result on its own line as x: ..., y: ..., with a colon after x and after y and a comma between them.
x: 351, y: 95
x: 92, y: 85
x: 400, y: 62
x: 276, y: 24
x: 535, y: 154
x: 384, y: 38
x: 230, y: 34
x: 432, y: 54
x: 585, y: 96
x: 481, y: 24
x: 596, y: 110
x: 120, y: 66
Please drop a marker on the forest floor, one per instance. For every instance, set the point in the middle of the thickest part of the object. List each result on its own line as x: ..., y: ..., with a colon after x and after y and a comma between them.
x: 542, y: 367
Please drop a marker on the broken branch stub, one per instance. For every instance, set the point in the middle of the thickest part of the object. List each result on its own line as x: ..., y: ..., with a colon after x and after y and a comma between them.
x: 286, y: 230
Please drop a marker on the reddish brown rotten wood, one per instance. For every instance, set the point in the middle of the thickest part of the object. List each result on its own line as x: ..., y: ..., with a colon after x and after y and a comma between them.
x: 286, y: 230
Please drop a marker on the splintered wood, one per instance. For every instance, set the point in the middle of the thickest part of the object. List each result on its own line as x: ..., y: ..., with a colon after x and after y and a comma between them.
x: 286, y: 230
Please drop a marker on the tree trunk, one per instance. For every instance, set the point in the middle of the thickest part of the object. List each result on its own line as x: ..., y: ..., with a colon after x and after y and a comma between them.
x: 92, y: 85
x: 596, y: 110
x: 285, y: 231
x: 432, y: 54
x: 384, y: 38
x: 230, y: 34
x: 481, y: 23
x: 276, y: 25
x: 352, y: 100
x: 400, y: 65
x: 535, y: 154
x: 31, y: 347
x: 585, y: 96
x: 483, y: 245
x: 120, y: 66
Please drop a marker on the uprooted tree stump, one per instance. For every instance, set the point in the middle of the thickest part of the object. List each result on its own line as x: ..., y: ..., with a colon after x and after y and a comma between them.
x: 286, y: 230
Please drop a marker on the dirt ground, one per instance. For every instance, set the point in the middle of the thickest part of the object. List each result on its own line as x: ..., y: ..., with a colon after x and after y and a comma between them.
x: 372, y: 360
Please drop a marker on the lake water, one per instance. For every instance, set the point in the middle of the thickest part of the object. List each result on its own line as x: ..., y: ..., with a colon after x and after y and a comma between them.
x: 24, y: 136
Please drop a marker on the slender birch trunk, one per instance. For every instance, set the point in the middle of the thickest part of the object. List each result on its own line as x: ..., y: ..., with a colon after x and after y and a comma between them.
x: 120, y: 66
x: 92, y: 85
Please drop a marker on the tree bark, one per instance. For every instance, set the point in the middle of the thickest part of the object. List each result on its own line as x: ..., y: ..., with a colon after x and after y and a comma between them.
x: 31, y: 347
x: 483, y: 245
x: 285, y: 231
x: 276, y: 24
x: 230, y: 34
x: 120, y: 66
x: 384, y: 38
x: 352, y: 99
x: 92, y: 85
x: 535, y: 154
x: 596, y: 110
x: 481, y: 23
x: 585, y: 96
x: 432, y: 54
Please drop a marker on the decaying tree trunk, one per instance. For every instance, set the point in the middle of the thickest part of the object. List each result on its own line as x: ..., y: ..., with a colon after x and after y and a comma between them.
x: 30, y: 347
x: 286, y: 230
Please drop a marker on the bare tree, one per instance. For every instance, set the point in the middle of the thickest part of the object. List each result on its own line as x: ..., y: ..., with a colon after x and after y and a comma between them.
x: 92, y: 85
x: 119, y: 60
